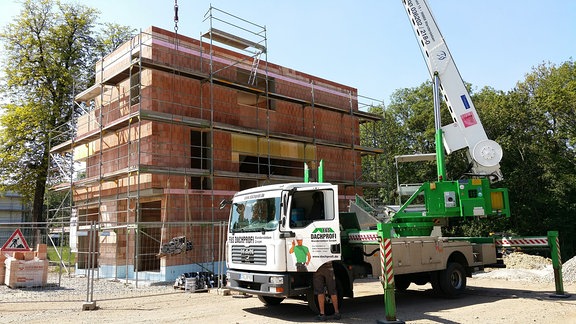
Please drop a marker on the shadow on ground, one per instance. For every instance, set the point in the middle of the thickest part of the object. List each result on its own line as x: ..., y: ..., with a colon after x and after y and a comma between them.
x: 412, y: 305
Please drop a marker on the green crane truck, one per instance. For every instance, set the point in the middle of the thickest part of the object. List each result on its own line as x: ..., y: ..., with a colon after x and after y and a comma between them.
x: 277, y: 238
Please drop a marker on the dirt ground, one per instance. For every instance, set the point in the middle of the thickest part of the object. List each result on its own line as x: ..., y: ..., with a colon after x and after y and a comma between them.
x: 486, y: 301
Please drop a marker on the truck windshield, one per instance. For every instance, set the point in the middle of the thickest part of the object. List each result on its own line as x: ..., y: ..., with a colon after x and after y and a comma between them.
x: 255, y: 215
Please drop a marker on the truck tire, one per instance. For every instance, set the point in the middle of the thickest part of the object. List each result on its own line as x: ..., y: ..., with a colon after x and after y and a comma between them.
x: 434, y: 275
x: 452, y: 280
x: 312, y: 301
x: 401, y: 282
x: 270, y: 301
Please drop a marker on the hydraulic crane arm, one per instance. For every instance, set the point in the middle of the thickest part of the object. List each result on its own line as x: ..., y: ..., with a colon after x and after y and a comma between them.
x: 466, y: 129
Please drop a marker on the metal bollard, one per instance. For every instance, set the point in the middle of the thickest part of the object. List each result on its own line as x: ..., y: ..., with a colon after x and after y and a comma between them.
x: 554, y: 244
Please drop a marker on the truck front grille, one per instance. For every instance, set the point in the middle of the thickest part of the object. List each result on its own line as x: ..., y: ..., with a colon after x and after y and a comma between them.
x: 252, y: 254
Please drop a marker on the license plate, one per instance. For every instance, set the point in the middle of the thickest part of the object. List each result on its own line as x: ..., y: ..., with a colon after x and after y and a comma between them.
x: 246, y: 277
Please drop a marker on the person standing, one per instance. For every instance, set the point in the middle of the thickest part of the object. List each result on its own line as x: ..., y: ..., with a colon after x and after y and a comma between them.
x: 317, y: 210
x: 325, y: 280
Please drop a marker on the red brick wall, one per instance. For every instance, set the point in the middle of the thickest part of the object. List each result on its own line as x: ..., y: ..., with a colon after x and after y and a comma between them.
x: 168, y: 144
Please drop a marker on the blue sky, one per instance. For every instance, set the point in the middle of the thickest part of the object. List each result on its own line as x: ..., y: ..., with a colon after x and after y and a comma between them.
x: 369, y: 44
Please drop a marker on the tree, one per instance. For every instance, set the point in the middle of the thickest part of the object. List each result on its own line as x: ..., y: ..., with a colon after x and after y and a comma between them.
x: 408, y: 128
x: 50, y: 56
x: 535, y: 125
x: 112, y: 36
x: 545, y: 173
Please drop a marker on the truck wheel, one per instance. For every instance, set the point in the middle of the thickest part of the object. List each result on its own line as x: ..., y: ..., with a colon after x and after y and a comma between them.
x: 270, y: 301
x: 312, y: 301
x: 401, y: 283
x: 452, y: 280
x: 434, y: 275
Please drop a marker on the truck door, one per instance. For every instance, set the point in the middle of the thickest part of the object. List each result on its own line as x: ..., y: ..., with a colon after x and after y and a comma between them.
x: 314, y: 221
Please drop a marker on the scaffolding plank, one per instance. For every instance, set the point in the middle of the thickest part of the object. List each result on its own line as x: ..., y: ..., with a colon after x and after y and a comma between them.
x: 155, y: 169
x: 232, y: 40
x: 120, y: 76
x: 67, y: 146
x: 189, y: 73
x: 416, y: 157
x: 62, y: 147
x: 368, y: 150
x: 174, y: 119
x: 89, y: 93
x: 110, y: 176
x: 239, y: 129
x: 292, y: 137
x: 333, y: 144
x: 367, y: 117
x: 121, y: 122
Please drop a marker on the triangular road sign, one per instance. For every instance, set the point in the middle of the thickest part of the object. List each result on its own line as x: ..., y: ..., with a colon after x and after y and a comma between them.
x: 16, y: 242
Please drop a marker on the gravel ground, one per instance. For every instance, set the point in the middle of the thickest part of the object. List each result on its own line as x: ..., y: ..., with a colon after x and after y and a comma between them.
x: 517, y: 294
x: 525, y: 267
x: 74, y: 288
x: 485, y: 301
x: 519, y: 267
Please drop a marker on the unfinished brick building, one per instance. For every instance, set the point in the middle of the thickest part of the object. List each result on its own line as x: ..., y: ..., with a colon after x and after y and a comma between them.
x: 173, y: 125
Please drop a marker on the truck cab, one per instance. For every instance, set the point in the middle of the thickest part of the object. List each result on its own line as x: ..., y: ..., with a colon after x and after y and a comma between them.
x: 278, y: 236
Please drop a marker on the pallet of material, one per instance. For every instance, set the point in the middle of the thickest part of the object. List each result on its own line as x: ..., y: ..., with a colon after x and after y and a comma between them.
x: 22, y: 273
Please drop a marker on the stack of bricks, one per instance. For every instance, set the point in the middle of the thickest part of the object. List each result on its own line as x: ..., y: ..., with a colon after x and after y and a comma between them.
x: 25, y: 268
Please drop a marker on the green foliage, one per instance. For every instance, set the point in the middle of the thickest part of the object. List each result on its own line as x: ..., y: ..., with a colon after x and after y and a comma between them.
x: 407, y: 128
x: 477, y: 227
x: 535, y: 125
x: 112, y: 36
x: 544, y: 183
x: 49, y: 56
x: 55, y: 254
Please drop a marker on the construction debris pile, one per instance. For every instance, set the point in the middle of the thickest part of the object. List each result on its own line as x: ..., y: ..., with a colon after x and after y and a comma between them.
x: 569, y: 270
x: 519, y: 260
x: 526, y: 267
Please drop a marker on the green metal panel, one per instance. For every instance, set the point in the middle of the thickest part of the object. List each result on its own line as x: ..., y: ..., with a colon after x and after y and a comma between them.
x: 445, y: 199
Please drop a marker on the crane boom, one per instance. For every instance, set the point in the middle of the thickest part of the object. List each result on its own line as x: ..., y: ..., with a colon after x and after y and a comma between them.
x: 466, y: 131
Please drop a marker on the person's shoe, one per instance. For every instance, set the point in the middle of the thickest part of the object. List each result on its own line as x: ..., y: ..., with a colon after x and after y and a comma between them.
x: 321, y: 317
x: 336, y: 316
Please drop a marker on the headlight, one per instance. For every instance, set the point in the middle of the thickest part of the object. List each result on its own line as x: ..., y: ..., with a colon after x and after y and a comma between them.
x: 277, y: 280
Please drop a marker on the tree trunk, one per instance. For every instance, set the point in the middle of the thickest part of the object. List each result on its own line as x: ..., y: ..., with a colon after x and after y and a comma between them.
x: 38, y: 214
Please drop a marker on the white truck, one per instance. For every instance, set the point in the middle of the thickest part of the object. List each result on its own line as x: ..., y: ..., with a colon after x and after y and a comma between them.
x: 276, y: 242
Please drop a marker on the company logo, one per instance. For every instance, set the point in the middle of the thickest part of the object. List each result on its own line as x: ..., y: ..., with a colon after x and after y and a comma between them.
x: 242, y: 239
x: 246, y: 254
x: 323, y: 230
x: 441, y: 56
x: 323, y: 233
x: 247, y: 251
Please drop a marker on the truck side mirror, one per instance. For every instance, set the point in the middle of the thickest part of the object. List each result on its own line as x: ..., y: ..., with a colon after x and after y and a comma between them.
x: 225, y: 202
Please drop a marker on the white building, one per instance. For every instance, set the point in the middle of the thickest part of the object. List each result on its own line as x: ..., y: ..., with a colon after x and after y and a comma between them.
x: 12, y: 209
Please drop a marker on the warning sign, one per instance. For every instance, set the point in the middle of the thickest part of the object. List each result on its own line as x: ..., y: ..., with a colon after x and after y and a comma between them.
x: 16, y: 242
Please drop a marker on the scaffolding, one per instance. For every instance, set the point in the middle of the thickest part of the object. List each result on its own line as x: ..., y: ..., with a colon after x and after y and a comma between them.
x: 173, y: 125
